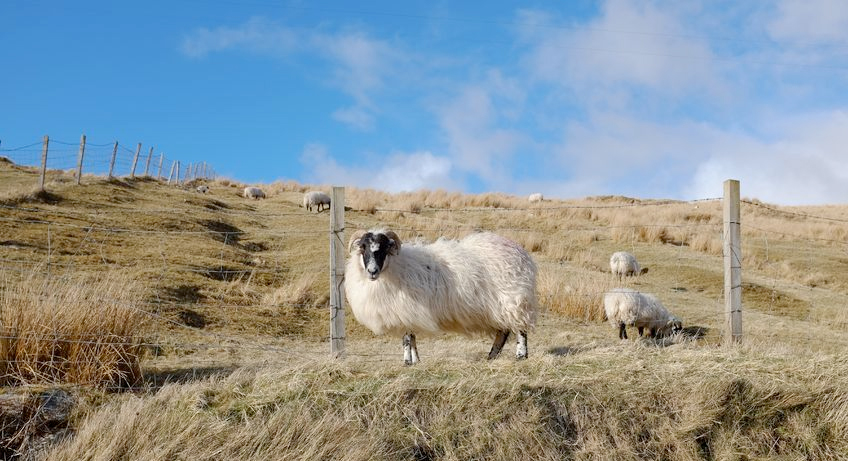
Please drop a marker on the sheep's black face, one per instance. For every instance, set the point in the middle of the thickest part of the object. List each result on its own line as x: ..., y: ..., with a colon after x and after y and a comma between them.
x: 375, y: 248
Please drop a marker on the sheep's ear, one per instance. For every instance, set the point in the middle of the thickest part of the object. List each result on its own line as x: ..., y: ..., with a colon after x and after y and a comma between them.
x: 396, y: 242
x: 354, y: 240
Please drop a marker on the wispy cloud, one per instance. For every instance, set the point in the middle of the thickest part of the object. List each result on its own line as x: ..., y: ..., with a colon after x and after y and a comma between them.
x: 359, y: 64
x: 257, y: 35
x: 398, y: 172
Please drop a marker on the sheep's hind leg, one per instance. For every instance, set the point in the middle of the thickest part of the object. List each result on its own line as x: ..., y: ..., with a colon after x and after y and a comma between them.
x: 500, y: 340
x: 410, y: 349
x: 622, y: 331
x: 521, y: 348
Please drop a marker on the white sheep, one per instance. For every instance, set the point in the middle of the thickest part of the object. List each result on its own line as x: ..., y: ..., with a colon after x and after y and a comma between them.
x: 253, y: 192
x: 482, y: 284
x: 627, y: 307
x: 625, y: 264
x: 316, y: 199
x: 202, y: 189
x: 537, y: 197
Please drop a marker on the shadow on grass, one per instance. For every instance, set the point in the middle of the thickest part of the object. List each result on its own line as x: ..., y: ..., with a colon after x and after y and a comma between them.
x: 159, y: 378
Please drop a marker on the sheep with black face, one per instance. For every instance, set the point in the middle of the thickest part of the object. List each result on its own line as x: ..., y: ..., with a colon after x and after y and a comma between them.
x: 481, y: 284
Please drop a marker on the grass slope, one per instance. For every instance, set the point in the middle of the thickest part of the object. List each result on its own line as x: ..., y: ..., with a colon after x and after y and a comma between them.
x: 235, y: 296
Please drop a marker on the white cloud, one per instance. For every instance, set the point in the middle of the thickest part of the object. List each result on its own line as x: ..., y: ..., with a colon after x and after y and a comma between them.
x: 473, y: 125
x: 804, y: 166
x: 799, y: 23
x: 398, y: 172
x: 633, y: 43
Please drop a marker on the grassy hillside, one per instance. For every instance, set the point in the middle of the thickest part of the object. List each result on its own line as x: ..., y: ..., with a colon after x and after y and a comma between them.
x: 227, y: 353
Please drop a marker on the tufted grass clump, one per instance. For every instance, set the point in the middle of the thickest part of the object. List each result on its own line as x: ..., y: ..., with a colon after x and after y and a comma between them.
x: 70, y: 330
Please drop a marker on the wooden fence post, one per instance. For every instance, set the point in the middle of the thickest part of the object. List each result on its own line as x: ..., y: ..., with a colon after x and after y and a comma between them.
x: 171, y: 175
x: 79, y: 160
x: 177, y: 181
x: 44, y: 161
x: 135, y: 160
x: 732, y: 261
x: 147, y: 167
x: 337, y: 264
x: 161, y: 159
x: 112, y: 162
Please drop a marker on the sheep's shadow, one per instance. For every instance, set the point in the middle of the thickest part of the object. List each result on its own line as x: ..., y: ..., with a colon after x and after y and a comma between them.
x: 694, y: 332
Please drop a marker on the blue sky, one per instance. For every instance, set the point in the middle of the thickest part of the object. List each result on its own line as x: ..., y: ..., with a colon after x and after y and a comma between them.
x: 649, y: 99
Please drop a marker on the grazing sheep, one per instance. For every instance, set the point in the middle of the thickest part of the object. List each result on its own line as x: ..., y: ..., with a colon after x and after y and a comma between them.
x: 537, y: 197
x: 202, y: 189
x: 253, y: 192
x: 624, y: 264
x: 484, y: 284
x: 316, y: 199
x: 627, y: 307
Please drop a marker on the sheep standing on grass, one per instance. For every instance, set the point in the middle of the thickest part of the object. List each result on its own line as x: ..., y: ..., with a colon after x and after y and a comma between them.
x: 626, y: 307
x: 537, y: 197
x: 253, y: 193
x: 316, y: 199
x: 624, y: 264
x: 202, y: 189
x: 482, y: 284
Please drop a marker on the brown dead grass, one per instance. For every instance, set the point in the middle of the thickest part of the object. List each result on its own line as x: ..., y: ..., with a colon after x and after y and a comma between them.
x: 242, y: 285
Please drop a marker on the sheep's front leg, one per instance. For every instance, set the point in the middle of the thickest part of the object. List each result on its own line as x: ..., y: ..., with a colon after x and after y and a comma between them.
x: 410, y: 349
x: 622, y: 330
x: 521, y: 348
x: 500, y: 340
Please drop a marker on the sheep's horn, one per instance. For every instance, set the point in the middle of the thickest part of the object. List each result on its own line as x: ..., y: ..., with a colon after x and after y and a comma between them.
x: 354, y: 240
x: 396, y: 239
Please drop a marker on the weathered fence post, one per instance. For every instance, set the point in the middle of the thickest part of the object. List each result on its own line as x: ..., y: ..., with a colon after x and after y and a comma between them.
x: 147, y: 167
x: 161, y: 159
x: 112, y: 162
x: 171, y: 175
x: 135, y: 160
x: 337, y: 263
x: 732, y: 261
x: 43, y: 161
x: 79, y: 160
x: 177, y: 181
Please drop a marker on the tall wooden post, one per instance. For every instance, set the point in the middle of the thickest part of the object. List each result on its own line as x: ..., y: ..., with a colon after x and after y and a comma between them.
x: 43, y: 161
x: 79, y: 159
x: 147, y: 167
x: 337, y: 263
x: 135, y: 160
x: 732, y: 261
x: 178, y: 173
x: 112, y: 162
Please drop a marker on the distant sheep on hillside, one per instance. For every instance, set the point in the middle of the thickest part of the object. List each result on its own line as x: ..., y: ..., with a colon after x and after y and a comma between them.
x: 483, y: 284
x: 627, y: 307
x: 624, y: 264
x: 253, y: 193
x: 317, y: 199
x: 202, y: 189
x: 537, y: 197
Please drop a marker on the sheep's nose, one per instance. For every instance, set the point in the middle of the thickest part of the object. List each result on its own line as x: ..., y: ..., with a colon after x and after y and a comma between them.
x: 372, y: 273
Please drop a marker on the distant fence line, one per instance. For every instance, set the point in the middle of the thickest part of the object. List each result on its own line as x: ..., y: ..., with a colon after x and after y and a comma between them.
x: 108, y: 159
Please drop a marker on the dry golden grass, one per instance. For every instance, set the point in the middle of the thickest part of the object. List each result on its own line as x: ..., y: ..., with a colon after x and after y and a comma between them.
x: 61, y: 330
x: 240, y: 288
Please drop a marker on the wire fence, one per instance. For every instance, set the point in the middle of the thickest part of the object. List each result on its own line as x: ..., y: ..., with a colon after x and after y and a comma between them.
x: 110, y: 159
x: 255, y: 290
